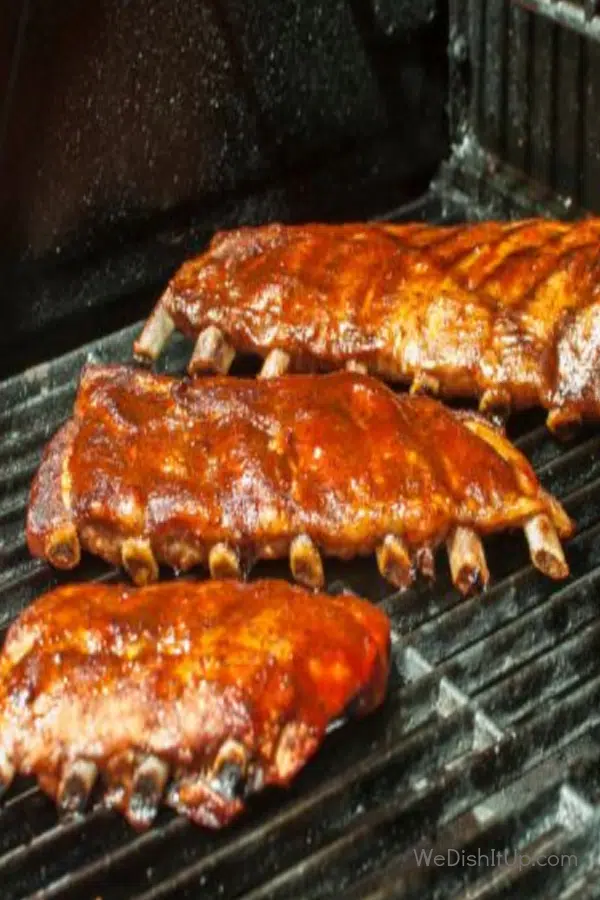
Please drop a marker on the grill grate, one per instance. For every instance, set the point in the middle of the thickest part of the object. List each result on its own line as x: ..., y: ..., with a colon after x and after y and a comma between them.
x: 489, y: 739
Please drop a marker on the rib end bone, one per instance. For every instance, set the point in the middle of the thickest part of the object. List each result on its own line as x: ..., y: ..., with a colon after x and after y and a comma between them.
x: 423, y: 383
x: 468, y: 565
x: 495, y: 402
x: 394, y: 562
x: 224, y: 562
x: 138, y: 561
x: 353, y: 365
x: 563, y: 422
x: 230, y: 769
x: 545, y: 548
x: 62, y: 547
x: 212, y: 353
x: 149, y: 783
x: 277, y: 363
x: 425, y: 561
x: 306, y: 563
x: 76, y: 786
x: 156, y: 332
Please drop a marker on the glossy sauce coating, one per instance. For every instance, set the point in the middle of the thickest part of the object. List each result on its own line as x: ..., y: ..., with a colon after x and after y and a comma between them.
x: 337, y: 457
x: 512, y: 306
x: 181, y: 670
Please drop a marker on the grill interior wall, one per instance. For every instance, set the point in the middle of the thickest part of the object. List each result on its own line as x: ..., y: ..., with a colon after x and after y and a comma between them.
x: 526, y: 86
x: 152, y: 123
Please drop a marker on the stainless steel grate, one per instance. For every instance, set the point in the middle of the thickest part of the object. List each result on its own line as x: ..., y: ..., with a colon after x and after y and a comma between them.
x: 489, y: 739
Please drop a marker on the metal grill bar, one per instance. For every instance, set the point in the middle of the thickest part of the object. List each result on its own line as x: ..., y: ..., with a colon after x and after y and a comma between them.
x: 534, y: 800
x: 11, y: 507
x: 394, y: 824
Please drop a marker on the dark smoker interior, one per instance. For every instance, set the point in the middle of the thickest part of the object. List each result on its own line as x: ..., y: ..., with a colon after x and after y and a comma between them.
x: 130, y: 132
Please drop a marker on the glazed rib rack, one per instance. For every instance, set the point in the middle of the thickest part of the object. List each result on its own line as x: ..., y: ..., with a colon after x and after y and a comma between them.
x: 489, y: 739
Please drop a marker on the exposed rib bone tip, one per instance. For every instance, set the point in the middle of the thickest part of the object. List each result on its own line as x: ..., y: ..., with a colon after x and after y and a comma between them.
x: 62, y: 547
x: 277, y: 363
x: 353, y: 365
x: 76, y: 786
x: 425, y: 562
x: 495, y: 402
x: 468, y: 565
x: 563, y: 423
x: 212, y: 353
x: 545, y: 548
x: 138, y: 561
x: 224, y: 562
x: 228, y: 776
x: 156, y: 332
x: 149, y: 782
x: 425, y: 384
x: 394, y: 562
x: 306, y: 563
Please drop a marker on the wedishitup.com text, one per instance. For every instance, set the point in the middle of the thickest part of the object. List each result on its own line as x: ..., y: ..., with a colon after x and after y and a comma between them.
x: 492, y: 858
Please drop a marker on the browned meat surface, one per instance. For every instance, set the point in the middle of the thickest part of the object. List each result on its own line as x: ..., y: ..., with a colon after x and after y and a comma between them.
x: 201, y: 692
x: 225, y: 471
x: 506, y: 312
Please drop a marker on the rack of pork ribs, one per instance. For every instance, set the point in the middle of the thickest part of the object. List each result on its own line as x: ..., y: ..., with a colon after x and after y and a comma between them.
x: 508, y: 313
x: 225, y: 471
x: 201, y: 693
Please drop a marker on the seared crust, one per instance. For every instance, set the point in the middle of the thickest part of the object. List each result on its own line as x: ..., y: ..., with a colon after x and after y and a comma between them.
x: 509, y: 307
x: 196, y: 676
x: 50, y: 527
x: 183, y: 466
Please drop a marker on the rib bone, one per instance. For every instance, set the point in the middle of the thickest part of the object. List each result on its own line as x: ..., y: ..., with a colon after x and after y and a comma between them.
x: 468, y: 565
x: 425, y: 562
x: 212, y: 353
x: 156, y: 332
x: 425, y: 384
x: 353, y: 365
x: 77, y: 784
x: 277, y: 363
x: 62, y: 547
x: 138, y: 560
x: 394, y: 562
x: 563, y: 422
x: 149, y: 782
x: 230, y: 769
x: 544, y: 546
x: 224, y: 562
x: 231, y: 751
x: 306, y: 563
x: 495, y: 401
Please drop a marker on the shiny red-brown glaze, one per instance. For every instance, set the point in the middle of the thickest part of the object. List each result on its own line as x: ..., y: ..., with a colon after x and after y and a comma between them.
x: 111, y: 674
x: 338, y: 457
x: 479, y: 306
